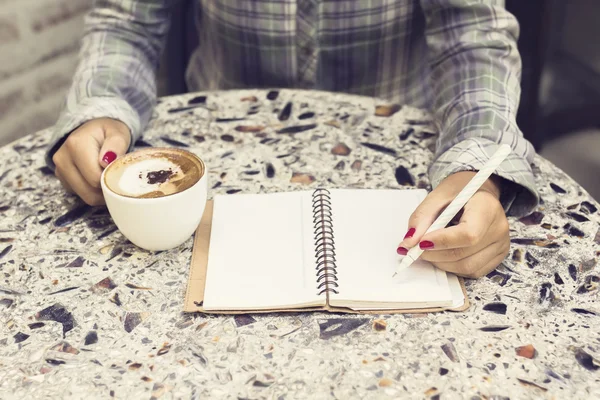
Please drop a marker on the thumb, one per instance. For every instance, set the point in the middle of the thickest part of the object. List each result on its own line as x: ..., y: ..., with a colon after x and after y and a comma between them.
x: 116, y: 143
x: 421, y: 219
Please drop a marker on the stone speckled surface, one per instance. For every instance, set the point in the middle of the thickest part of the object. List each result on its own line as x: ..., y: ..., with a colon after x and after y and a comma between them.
x: 85, y: 314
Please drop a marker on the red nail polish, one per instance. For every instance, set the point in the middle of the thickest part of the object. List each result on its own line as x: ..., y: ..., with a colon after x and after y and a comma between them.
x: 425, y: 245
x: 402, y: 251
x: 410, y: 233
x: 109, y: 157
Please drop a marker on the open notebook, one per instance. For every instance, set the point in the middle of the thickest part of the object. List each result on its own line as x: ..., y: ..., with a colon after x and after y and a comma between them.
x: 328, y: 250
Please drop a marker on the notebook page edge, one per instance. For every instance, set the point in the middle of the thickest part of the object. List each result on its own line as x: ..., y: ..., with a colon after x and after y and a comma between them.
x: 224, y: 300
x: 386, y: 196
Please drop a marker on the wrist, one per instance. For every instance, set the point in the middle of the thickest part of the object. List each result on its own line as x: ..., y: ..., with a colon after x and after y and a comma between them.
x: 494, y: 186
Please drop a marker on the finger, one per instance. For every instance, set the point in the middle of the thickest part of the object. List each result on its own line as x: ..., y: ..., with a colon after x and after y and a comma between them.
x: 453, y: 255
x: 492, y: 265
x: 475, y: 264
x: 64, y: 183
x: 472, y: 229
x: 60, y: 160
x: 116, y: 144
x: 84, y: 150
x: 483, y: 222
x: 79, y: 185
x: 422, y: 218
x: 457, y: 217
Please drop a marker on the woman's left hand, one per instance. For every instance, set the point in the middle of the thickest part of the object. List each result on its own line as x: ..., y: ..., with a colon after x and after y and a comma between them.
x: 477, y: 244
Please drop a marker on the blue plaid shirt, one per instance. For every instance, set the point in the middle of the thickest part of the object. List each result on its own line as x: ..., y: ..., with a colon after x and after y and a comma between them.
x: 457, y: 58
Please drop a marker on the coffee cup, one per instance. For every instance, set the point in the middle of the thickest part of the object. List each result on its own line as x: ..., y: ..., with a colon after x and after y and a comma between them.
x: 156, y: 196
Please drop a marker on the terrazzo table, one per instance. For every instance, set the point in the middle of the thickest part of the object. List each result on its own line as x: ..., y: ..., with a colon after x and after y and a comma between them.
x: 85, y: 314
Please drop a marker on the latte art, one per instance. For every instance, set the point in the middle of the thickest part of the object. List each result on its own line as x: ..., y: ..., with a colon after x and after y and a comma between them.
x: 153, y: 173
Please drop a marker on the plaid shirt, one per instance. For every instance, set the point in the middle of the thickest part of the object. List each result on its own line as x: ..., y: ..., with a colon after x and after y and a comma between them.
x: 457, y: 58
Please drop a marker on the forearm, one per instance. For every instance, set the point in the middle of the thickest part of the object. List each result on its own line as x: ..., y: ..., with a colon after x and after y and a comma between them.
x: 119, y: 58
x: 475, y: 73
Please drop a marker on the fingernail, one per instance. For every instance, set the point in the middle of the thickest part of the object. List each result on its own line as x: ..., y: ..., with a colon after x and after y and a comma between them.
x: 402, y: 251
x: 109, y: 157
x: 426, y: 244
x: 410, y: 233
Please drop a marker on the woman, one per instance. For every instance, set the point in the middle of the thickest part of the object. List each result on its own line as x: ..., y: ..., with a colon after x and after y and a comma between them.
x: 456, y: 57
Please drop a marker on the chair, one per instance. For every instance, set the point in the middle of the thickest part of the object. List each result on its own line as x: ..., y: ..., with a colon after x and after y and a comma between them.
x: 543, y: 25
x: 181, y: 42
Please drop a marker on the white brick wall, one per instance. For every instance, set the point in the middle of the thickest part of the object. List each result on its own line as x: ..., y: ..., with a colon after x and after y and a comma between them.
x: 39, y: 41
x: 39, y: 44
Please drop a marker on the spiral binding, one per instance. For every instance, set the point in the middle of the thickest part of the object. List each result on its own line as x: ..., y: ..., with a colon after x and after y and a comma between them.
x: 324, y: 242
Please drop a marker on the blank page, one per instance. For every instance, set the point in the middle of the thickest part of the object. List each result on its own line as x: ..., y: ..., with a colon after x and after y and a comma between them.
x: 256, y: 258
x: 368, y: 226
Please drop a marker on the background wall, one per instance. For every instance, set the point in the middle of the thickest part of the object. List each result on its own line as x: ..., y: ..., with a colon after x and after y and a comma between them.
x: 574, y: 81
x: 39, y: 44
x: 39, y: 40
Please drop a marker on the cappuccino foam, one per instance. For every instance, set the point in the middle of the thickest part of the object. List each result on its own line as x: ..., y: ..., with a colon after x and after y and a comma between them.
x: 153, y: 173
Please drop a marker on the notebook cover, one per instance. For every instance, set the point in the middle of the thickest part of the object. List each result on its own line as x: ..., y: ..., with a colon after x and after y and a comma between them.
x: 194, y: 294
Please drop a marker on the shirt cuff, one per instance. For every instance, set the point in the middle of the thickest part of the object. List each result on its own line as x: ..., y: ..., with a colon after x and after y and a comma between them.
x: 87, y: 110
x: 519, y: 196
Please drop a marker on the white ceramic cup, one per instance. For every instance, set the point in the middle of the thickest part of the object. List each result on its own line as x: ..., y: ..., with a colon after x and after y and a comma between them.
x: 160, y: 223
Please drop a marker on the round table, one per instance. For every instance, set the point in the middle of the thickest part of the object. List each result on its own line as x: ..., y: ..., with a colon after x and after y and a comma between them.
x: 85, y: 314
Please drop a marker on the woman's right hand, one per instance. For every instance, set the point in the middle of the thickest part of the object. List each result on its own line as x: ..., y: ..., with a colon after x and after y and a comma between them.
x: 86, y: 152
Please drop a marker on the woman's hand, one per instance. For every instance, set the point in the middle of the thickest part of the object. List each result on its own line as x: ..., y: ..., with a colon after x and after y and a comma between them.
x: 473, y: 247
x: 86, y: 152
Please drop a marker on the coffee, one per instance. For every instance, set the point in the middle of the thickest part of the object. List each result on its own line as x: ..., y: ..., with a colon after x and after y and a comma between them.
x: 153, y: 173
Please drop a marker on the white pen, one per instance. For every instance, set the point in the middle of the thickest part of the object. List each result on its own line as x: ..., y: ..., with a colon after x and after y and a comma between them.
x: 459, y: 202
